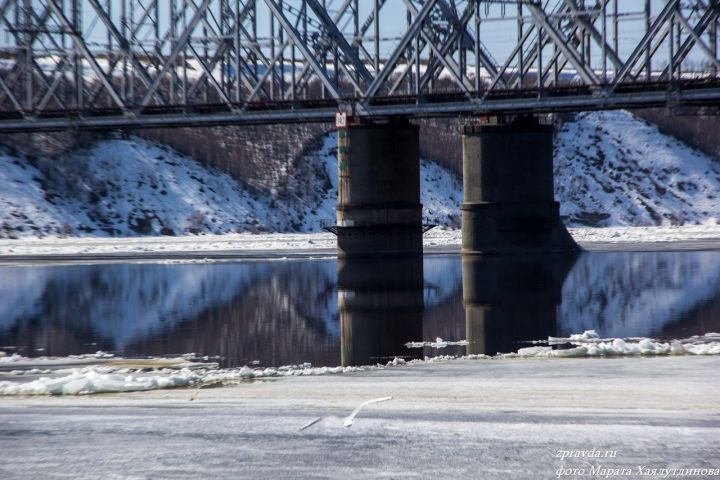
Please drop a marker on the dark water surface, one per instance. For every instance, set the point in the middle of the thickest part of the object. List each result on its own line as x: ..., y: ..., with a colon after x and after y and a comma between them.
x: 329, y: 312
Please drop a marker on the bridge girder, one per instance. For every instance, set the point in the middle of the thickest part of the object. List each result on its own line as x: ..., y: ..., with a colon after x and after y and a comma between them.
x: 100, y: 64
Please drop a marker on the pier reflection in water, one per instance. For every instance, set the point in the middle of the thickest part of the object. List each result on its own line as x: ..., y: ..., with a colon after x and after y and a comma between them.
x: 381, y: 305
x: 513, y: 299
x: 329, y: 312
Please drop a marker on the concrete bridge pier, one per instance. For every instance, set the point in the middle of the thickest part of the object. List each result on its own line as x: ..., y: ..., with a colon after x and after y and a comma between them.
x: 378, y: 210
x: 509, y: 206
x: 381, y: 303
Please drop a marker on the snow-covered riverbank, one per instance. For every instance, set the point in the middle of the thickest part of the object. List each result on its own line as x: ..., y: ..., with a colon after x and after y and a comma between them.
x: 241, y: 243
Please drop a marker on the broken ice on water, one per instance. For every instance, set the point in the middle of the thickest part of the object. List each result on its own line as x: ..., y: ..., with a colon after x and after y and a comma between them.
x: 103, y: 373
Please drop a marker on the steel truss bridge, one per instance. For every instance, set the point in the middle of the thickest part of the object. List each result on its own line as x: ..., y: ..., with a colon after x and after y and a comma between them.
x: 101, y: 64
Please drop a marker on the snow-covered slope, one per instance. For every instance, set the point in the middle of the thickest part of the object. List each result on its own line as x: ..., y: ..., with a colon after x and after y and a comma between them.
x: 136, y: 187
x: 612, y: 168
x: 126, y: 188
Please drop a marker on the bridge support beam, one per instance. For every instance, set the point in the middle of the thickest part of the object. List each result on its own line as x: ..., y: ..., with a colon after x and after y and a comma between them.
x: 509, y: 206
x: 378, y: 210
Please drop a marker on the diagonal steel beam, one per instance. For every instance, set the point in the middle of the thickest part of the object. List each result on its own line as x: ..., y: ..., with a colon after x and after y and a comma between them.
x: 588, y: 25
x: 36, y: 70
x: 11, y: 96
x: 445, y: 59
x: 5, y: 6
x: 541, y: 21
x: 695, y: 34
x: 332, y: 30
x: 259, y: 84
x: 253, y: 47
x: 127, y: 52
x: 645, y: 42
x: 448, y: 48
x: 55, y: 75
x: 124, y: 46
x: 301, y: 76
x: 389, y: 67
x: 208, y: 74
x: 50, y: 93
x: 543, y: 40
x: 86, y: 53
x: 300, y: 45
x: 503, y: 70
x: 710, y: 15
x: 181, y: 44
x: 20, y: 65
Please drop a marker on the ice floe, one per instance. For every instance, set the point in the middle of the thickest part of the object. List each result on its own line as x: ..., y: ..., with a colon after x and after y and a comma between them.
x: 438, y: 343
x: 112, y: 375
x: 588, y: 344
x: 92, y: 381
x: 96, y: 380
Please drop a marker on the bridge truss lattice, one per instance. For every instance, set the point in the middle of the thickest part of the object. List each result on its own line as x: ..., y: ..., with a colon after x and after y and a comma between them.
x: 149, y: 63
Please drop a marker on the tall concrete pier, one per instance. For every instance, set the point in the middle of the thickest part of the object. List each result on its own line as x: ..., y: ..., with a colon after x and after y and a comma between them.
x: 380, y: 302
x: 509, y: 206
x: 511, y: 298
x: 378, y: 210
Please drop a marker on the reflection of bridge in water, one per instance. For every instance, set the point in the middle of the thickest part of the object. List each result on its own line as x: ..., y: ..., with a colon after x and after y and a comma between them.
x: 355, y: 311
x: 381, y: 304
x: 507, y: 301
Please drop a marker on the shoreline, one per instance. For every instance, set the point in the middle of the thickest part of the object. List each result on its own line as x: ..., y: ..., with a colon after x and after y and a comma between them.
x: 288, y: 246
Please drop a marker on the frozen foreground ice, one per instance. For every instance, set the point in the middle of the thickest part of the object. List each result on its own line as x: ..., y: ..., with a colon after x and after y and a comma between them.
x: 523, y: 418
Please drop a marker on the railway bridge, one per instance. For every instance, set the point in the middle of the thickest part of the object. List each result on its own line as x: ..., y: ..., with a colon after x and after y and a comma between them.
x: 373, y: 66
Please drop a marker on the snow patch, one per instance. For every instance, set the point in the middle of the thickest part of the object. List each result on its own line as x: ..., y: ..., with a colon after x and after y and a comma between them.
x: 209, y: 243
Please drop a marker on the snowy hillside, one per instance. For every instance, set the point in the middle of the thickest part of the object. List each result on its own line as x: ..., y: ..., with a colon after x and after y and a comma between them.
x: 125, y: 188
x: 612, y: 168
x: 136, y: 187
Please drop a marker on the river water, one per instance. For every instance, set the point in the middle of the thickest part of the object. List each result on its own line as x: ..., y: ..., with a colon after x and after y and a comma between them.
x: 330, y: 312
